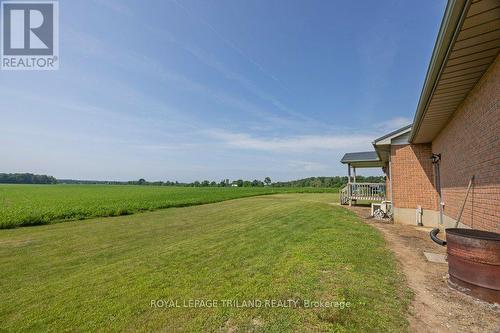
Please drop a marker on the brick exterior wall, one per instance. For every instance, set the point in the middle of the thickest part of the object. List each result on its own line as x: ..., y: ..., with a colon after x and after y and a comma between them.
x: 470, y: 145
x: 413, y: 176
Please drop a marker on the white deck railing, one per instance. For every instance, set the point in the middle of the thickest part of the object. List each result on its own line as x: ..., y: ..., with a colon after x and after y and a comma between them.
x: 362, y: 191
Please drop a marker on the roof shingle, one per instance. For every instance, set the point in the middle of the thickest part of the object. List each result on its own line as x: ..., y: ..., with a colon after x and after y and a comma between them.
x: 368, y: 156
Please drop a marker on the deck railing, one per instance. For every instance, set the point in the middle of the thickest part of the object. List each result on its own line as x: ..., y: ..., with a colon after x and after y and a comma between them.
x: 362, y: 191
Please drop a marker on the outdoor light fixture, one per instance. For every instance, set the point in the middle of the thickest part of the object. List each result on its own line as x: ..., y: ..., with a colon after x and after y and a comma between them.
x: 436, y: 158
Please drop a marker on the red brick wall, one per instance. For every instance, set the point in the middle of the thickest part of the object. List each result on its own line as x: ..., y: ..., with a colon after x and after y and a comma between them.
x: 470, y: 145
x: 413, y: 176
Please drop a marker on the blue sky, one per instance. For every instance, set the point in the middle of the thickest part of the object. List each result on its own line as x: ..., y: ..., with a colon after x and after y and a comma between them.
x: 191, y: 90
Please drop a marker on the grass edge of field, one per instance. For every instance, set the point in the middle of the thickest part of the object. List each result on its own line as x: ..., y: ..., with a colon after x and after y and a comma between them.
x: 44, y: 220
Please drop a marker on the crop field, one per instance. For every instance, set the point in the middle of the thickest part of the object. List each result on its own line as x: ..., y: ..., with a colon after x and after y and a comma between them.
x: 315, y: 267
x: 22, y: 205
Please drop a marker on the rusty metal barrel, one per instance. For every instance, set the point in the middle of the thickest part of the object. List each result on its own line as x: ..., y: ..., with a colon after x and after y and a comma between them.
x: 474, y: 262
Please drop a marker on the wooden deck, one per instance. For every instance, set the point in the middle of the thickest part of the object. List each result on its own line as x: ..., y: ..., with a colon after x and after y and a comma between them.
x: 362, y: 191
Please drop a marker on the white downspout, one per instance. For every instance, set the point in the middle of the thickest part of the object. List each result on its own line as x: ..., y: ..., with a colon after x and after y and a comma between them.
x: 390, y: 185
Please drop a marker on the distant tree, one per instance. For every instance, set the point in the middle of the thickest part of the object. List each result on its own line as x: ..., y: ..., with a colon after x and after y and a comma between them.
x: 331, y: 182
x: 335, y: 182
x: 317, y: 183
x: 257, y: 183
x: 26, y: 178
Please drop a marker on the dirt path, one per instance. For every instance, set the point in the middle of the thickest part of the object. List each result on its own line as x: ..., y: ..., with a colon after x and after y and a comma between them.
x: 436, y: 307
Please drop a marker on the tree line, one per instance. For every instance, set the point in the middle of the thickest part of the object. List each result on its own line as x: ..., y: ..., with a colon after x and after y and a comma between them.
x: 335, y: 182
x: 331, y: 182
x: 26, y: 178
x: 197, y: 183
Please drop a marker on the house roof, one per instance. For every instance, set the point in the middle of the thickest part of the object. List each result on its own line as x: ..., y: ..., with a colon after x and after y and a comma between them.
x: 383, y: 144
x: 360, y: 156
x: 378, y: 157
x: 392, y: 134
x: 468, y: 43
x: 364, y: 159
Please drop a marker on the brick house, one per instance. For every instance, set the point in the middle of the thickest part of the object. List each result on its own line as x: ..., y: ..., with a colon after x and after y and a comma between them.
x: 454, y: 138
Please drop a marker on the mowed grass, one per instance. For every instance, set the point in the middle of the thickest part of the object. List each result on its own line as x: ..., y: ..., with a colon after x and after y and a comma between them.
x: 22, y: 205
x: 102, y: 274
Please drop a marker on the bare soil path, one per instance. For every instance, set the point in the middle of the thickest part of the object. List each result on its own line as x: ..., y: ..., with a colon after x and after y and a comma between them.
x: 435, y: 307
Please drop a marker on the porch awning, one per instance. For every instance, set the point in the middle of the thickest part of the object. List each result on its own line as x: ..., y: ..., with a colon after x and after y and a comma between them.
x: 365, y: 159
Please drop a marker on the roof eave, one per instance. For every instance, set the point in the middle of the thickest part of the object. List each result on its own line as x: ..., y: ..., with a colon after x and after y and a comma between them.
x: 388, y: 137
x: 450, y: 26
x: 356, y: 161
x: 377, y: 150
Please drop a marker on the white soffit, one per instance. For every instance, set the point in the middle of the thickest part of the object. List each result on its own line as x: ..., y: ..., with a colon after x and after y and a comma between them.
x: 474, y: 46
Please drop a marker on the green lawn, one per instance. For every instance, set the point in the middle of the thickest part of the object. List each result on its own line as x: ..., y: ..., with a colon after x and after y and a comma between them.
x: 102, y: 274
x: 22, y: 205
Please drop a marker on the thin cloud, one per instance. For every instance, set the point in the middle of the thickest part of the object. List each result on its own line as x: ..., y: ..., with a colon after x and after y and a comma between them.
x: 208, y: 60
x: 393, y: 124
x: 163, y: 147
x: 229, y: 43
x: 304, y: 143
x: 116, y: 6
x: 288, y: 119
x: 307, y: 166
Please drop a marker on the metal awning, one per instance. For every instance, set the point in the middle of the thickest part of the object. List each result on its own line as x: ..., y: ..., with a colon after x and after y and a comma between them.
x: 365, y: 159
